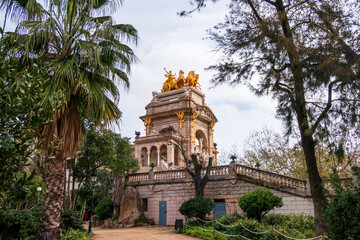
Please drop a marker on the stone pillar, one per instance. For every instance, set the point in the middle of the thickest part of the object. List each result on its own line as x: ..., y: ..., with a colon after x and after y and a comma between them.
x: 151, y: 174
x: 232, y: 169
x: 172, y: 153
x: 158, y: 157
x: 149, y: 155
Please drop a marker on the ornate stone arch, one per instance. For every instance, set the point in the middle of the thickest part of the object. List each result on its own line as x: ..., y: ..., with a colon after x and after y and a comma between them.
x: 201, y: 142
x: 154, y: 155
x: 163, y: 152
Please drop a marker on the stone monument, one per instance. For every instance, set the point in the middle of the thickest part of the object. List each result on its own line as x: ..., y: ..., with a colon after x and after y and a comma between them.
x: 181, y: 104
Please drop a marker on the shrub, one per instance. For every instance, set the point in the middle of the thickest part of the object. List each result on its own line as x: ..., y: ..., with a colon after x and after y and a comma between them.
x: 71, y: 219
x: 290, y: 221
x: 19, y: 224
x: 142, y: 219
x: 104, y: 209
x: 226, y: 219
x: 295, y: 226
x: 208, y: 234
x: 257, y: 203
x: 197, y: 207
x: 342, y: 213
x: 76, y: 234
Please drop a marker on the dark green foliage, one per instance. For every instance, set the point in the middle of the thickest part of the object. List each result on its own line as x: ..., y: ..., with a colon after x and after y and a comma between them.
x: 71, y: 219
x: 197, y: 207
x: 296, y: 226
x: 20, y: 117
x: 343, y: 211
x: 102, y: 149
x: 19, y: 224
x: 76, y: 234
x: 104, y: 209
x: 226, y: 219
x: 257, y: 203
x: 142, y: 219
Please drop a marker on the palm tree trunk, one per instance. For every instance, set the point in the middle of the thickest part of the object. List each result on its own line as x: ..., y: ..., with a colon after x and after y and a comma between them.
x: 53, y: 200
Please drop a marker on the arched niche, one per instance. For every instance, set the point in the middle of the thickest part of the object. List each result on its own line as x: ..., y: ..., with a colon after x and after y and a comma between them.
x: 144, y: 157
x: 201, y: 142
x: 154, y: 155
x: 163, y: 152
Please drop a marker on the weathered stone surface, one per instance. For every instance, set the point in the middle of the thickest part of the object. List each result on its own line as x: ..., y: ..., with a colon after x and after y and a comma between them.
x: 130, y: 207
x: 176, y: 108
x: 107, y: 224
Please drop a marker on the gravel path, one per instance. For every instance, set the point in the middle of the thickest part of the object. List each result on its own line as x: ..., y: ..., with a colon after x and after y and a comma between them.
x: 139, y: 233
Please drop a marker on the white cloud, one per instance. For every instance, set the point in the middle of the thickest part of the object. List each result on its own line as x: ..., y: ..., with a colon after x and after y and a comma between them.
x: 170, y: 41
x: 167, y: 40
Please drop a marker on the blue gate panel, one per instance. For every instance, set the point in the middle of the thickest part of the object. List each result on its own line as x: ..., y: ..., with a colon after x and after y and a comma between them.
x: 162, y: 213
x: 219, y: 209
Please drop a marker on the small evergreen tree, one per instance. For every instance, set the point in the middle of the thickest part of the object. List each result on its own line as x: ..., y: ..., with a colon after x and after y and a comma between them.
x: 197, y: 207
x: 257, y: 203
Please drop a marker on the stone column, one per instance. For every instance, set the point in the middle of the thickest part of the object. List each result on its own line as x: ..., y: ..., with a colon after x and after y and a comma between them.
x: 149, y: 155
x: 232, y: 169
x: 158, y: 157
x: 172, y: 152
x: 151, y: 174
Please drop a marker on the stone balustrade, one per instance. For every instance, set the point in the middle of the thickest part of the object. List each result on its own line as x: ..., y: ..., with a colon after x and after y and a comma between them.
x: 138, y: 177
x: 270, y: 177
x: 173, y: 174
x: 232, y: 171
x: 222, y: 171
x: 219, y: 170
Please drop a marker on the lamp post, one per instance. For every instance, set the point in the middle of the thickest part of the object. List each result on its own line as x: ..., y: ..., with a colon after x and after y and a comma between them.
x: 93, y: 181
x: 38, y: 189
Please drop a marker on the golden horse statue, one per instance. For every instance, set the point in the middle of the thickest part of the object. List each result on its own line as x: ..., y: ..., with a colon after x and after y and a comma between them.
x: 181, y: 79
x: 171, y: 83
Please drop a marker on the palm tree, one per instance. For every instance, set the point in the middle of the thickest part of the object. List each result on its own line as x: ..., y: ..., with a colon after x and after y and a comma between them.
x: 84, y: 51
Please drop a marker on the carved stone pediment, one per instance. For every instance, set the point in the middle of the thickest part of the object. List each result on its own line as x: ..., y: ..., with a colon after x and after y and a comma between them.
x: 206, y: 112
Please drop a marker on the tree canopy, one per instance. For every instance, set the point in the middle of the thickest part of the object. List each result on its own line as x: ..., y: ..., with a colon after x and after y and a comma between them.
x: 86, y: 60
x: 305, y: 55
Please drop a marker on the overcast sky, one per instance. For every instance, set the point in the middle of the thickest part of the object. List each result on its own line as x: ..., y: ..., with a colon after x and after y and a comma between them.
x: 167, y: 40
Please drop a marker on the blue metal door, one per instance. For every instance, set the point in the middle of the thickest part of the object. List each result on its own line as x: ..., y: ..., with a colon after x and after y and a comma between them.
x: 162, y: 213
x: 219, y: 209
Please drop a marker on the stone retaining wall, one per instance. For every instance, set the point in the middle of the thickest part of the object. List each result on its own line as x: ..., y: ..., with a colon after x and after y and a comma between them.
x: 227, y: 189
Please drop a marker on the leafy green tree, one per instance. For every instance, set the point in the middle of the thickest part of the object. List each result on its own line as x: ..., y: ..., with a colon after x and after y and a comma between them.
x: 111, y: 156
x: 96, y: 152
x: 305, y: 55
x: 83, y: 51
x: 197, y: 207
x: 104, y: 209
x: 123, y: 164
x: 20, y: 117
x: 340, y: 214
x: 259, y: 202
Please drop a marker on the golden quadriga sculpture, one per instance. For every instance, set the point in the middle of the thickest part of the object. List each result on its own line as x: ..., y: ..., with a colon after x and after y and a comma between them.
x: 173, y: 83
